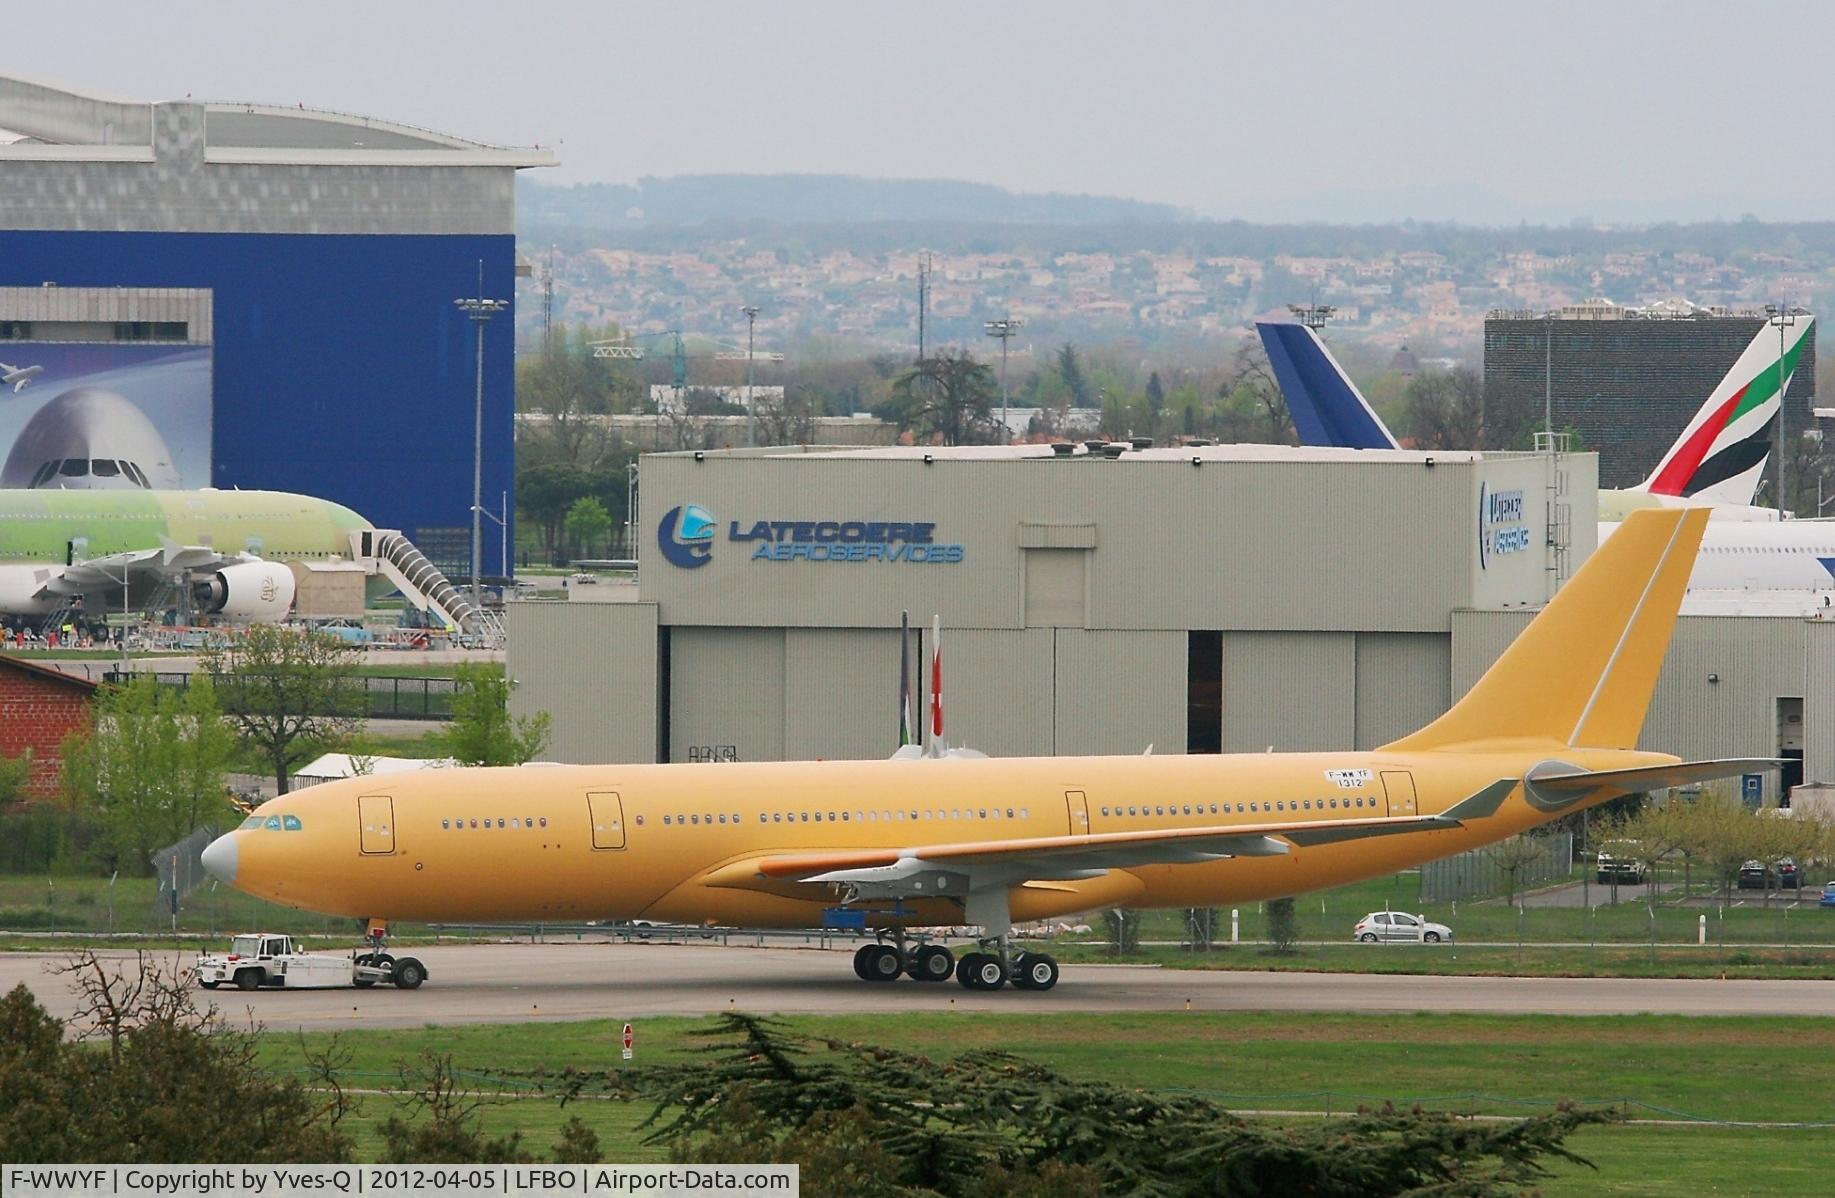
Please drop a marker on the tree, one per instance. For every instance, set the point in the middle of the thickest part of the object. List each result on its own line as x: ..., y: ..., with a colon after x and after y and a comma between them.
x: 15, y: 772
x: 1728, y: 833
x: 152, y: 764
x: 545, y: 492
x: 1071, y: 371
x: 785, y: 419
x: 587, y: 523
x: 1648, y: 836
x: 872, y: 1120
x: 1512, y: 857
x: 1124, y: 929
x: 288, y: 694
x: 170, y: 1085
x: 482, y: 731
x: 439, y: 1122
x: 1283, y: 927
x: 1156, y: 400
x: 1445, y: 409
x: 949, y: 396
x: 1250, y: 386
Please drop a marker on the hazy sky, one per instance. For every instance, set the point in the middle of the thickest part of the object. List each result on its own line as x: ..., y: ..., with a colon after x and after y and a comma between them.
x: 1477, y: 111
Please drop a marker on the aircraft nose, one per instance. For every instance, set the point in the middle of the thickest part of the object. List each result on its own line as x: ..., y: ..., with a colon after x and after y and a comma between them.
x: 219, y: 858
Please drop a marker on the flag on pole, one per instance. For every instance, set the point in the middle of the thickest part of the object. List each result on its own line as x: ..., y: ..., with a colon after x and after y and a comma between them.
x: 936, y: 683
x: 904, y: 679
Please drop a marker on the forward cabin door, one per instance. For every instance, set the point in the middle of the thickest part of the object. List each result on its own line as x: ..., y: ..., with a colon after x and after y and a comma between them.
x: 376, y: 813
x: 607, y: 811
x: 1077, y: 805
x: 1398, y: 786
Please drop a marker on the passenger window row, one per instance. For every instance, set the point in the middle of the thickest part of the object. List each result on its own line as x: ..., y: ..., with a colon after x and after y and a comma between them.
x: 1349, y: 802
x: 515, y: 823
x: 842, y: 817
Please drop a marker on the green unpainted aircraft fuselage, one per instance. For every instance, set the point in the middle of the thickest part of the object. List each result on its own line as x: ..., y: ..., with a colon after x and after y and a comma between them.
x: 38, y: 526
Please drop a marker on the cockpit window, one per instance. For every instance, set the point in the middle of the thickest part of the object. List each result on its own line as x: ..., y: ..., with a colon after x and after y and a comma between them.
x: 75, y: 468
x: 253, y: 821
x: 103, y: 468
x: 290, y: 822
x: 138, y: 475
x: 273, y: 823
x: 44, y: 473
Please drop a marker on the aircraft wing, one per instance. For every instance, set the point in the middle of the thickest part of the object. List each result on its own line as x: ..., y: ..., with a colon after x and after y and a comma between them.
x: 907, y: 872
x: 134, y: 565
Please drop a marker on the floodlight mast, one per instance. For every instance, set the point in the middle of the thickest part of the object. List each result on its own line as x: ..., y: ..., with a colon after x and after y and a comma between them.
x: 1005, y: 328
x: 751, y: 324
x: 480, y: 310
x: 1781, y: 316
x: 1313, y: 316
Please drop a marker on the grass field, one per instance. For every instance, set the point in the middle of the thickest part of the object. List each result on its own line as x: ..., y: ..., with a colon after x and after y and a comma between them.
x: 1747, y: 1069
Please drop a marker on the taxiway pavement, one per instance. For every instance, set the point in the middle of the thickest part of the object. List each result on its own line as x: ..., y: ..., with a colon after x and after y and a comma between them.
x: 504, y: 983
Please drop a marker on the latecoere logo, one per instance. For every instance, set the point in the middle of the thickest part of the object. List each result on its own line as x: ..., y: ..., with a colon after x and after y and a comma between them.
x: 686, y: 536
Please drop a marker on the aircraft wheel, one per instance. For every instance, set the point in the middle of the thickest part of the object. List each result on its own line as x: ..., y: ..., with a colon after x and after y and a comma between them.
x: 860, y: 960
x: 968, y: 970
x: 932, y: 963
x: 987, y: 970
x: 883, y: 964
x: 1368, y: 937
x: 1035, y: 971
x: 409, y: 973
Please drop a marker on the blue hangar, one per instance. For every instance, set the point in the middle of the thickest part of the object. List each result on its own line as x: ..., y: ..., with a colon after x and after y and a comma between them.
x: 274, y: 287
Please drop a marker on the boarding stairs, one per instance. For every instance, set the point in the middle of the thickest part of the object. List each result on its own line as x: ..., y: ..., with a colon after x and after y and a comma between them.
x: 387, y: 552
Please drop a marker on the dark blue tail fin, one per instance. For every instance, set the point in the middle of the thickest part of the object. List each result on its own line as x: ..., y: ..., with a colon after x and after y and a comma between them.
x: 1326, y: 406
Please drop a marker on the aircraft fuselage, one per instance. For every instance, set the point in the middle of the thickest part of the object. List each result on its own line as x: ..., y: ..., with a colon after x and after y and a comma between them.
x: 673, y: 842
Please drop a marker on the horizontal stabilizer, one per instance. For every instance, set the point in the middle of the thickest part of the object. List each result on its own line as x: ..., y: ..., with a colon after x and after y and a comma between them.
x: 1650, y: 777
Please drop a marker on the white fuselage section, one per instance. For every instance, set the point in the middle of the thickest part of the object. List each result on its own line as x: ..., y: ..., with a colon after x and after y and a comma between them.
x: 1752, y: 556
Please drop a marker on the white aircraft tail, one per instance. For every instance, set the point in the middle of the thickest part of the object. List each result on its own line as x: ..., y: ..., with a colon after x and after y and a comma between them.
x: 1721, y: 455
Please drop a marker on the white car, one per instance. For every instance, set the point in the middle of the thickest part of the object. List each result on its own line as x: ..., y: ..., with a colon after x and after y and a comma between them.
x: 1399, y: 925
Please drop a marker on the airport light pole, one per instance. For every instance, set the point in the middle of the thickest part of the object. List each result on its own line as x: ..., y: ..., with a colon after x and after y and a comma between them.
x: 1314, y: 315
x: 1548, y: 373
x: 751, y: 325
x: 503, y: 526
x: 1782, y: 317
x: 1004, y: 328
x: 480, y: 310
x: 125, y: 617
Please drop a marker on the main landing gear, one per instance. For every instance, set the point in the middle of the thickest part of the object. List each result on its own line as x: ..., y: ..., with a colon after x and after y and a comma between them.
x: 882, y: 962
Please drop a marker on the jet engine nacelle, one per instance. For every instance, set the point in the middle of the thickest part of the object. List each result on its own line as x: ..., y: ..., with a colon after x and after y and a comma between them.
x: 252, y: 592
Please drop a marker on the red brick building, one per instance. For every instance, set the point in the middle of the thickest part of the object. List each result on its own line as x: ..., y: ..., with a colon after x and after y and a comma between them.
x: 39, y: 707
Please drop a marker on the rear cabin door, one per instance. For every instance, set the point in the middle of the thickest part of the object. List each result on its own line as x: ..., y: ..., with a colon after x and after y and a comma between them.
x: 1398, y: 786
x: 1078, y: 806
x: 607, y: 811
x: 377, y: 815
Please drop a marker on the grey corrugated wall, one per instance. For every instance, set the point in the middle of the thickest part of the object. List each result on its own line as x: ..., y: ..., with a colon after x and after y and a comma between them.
x: 592, y: 668
x: 1289, y: 690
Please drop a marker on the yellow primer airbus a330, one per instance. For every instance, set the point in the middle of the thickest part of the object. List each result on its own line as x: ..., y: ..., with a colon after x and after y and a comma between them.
x: 1551, y: 728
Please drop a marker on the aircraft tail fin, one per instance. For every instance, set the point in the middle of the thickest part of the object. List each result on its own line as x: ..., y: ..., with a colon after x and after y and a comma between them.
x: 1721, y: 454
x: 1582, y: 673
x: 1326, y: 406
